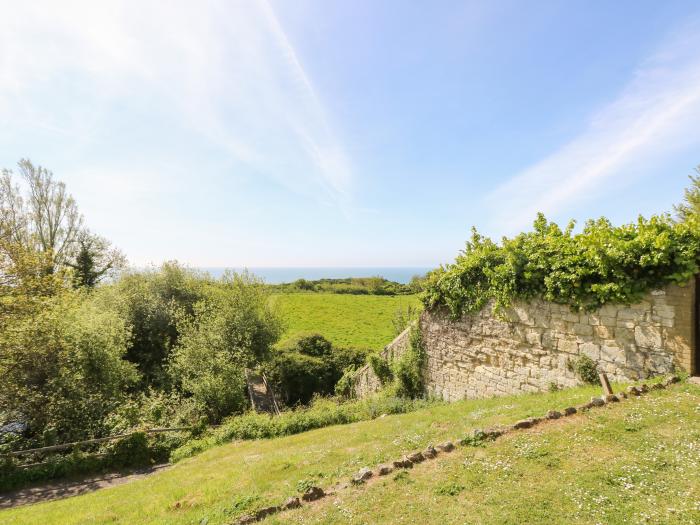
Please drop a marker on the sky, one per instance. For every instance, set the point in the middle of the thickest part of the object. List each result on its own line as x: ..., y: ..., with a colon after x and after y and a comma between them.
x: 349, y: 133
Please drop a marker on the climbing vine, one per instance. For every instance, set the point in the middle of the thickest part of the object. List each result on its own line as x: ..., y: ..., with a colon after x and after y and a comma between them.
x: 601, y: 264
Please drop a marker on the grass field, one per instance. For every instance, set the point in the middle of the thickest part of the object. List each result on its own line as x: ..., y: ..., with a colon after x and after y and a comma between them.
x: 361, y: 321
x: 637, y: 461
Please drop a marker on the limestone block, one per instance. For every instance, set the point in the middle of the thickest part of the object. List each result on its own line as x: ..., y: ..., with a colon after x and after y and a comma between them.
x: 612, y: 353
x: 582, y: 329
x: 648, y: 337
x: 568, y: 346
x: 604, y: 332
x: 591, y: 350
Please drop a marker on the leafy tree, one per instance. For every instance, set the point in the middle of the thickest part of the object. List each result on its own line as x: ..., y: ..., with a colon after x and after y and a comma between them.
x: 154, y: 303
x: 95, y: 259
x: 310, y: 365
x: 46, y: 219
x: 689, y: 209
x: 231, y: 328
x: 62, y: 367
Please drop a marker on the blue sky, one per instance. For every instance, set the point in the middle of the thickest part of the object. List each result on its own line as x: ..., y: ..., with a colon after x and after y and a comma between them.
x: 363, y: 133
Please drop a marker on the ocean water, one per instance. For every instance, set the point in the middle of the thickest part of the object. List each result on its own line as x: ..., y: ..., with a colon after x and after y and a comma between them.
x: 288, y: 275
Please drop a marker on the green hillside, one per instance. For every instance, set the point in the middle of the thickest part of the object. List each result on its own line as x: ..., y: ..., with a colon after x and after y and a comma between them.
x: 361, y: 321
x: 637, y: 461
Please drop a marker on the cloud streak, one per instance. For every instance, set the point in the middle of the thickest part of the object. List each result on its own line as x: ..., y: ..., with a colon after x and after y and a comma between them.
x: 655, y: 114
x: 225, y: 71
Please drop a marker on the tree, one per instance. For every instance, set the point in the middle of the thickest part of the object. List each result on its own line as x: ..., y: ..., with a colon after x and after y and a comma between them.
x: 689, y: 209
x: 94, y: 259
x: 45, y: 220
x: 232, y: 328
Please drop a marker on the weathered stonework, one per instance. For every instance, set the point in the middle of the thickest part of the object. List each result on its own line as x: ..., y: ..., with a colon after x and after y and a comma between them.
x: 534, y: 345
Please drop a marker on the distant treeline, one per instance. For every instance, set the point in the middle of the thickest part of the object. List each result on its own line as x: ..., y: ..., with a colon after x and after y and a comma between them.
x: 352, y: 285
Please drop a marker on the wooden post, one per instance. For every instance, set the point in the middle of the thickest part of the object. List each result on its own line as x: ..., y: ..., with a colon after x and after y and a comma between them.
x: 607, y: 389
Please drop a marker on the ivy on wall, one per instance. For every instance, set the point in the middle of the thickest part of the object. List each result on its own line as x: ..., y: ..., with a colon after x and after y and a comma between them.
x: 602, y: 264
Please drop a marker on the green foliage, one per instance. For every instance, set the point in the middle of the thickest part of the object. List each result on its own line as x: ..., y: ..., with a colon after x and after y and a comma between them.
x: 322, y: 413
x: 152, y: 302
x: 309, y: 366
x: 449, y: 489
x: 586, y: 369
x: 689, y: 210
x: 404, y: 317
x: 63, y: 369
x: 349, y: 285
x: 381, y: 368
x: 233, y: 328
x: 602, y: 264
x: 408, y: 369
x: 344, y: 387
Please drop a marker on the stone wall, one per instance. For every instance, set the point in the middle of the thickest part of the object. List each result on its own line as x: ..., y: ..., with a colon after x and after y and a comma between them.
x: 366, y: 380
x: 535, y: 344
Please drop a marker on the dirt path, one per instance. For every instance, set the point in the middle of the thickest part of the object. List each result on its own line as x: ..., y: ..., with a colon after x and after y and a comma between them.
x: 68, y: 488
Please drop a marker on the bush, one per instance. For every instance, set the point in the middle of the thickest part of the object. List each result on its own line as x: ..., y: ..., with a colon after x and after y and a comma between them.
x: 602, y: 264
x: 408, y: 369
x: 587, y: 370
x: 233, y: 328
x: 309, y: 366
x: 63, y: 369
x: 381, y: 368
x: 346, y: 384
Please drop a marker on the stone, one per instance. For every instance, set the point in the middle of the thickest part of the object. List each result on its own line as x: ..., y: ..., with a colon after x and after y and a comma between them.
x: 363, y: 475
x: 430, y: 452
x: 245, y: 519
x: 570, y: 411
x: 291, y: 503
x: 384, y: 470
x: 553, y: 414
x: 621, y: 395
x: 267, y: 511
x: 447, y: 446
x: 584, y: 407
x: 313, y: 494
x: 647, y: 337
x: 644, y: 388
x: 611, y: 398
x: 670, y: 380
x: 633, y: 390
x: 404, y: 462
x: 416, y: 457
x: 597, y: 402
x: 524, y: 423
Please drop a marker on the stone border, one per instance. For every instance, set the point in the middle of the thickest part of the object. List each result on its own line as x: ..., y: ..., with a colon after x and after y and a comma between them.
x: 431, y: 452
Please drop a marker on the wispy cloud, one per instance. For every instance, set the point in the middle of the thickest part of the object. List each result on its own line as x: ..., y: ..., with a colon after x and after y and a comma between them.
x: 225, y: 71
x: 656, y: 113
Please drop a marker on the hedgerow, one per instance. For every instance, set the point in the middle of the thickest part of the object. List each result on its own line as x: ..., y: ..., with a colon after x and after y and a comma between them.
x: 602, y: 264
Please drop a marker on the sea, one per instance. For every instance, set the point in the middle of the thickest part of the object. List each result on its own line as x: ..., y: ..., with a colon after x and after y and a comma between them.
x: 277, y: 275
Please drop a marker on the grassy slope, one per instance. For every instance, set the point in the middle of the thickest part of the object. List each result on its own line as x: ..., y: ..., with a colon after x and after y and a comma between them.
x: 361, y: 321
x: 613, y: 465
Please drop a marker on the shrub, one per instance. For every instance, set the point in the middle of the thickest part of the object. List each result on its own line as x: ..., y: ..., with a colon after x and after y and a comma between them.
x: 587, y: 370
x: 63, y: 370
x: 346, y: 384
x: 408, y: 369
x: 602, y: 264
x: 381, y: 368
x: 231, y: 329
x: 309, y: 366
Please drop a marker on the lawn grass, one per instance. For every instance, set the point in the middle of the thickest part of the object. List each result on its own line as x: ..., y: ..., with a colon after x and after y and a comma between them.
x: 617, y: 464
x: 360, y: 321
